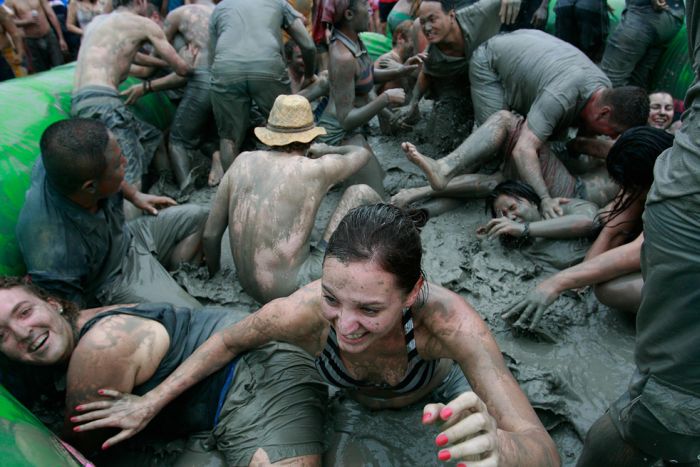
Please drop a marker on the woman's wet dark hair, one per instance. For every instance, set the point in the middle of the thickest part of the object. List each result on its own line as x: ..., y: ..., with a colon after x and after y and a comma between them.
x: 512, y: 188
x: 630, y: 163
x: 383, y: 233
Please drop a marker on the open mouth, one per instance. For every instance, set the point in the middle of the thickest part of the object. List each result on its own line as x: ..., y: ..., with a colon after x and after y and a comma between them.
x: 39, y: 342
x: 354, y: 337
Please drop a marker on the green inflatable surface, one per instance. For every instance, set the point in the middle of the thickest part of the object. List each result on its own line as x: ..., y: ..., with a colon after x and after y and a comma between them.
x: 25, y: 441
x: 29, y: 105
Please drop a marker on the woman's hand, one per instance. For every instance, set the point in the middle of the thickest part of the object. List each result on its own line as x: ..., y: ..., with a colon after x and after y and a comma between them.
x: 502, y: 226
x: 532, y: 307
x: 469, y: 431
x: 128, y: 412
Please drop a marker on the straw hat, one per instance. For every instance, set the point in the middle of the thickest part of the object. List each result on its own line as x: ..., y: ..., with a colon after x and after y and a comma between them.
x: 290, y: 121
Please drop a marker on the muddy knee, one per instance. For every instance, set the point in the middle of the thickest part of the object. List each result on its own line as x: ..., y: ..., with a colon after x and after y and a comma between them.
x: 362, y: 194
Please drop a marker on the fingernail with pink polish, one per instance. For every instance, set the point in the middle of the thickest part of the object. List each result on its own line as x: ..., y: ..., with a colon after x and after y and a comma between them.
x: 444, y: 455
x: 441, y: 440
x: 461, y: 464
x: 426, y: 416
x: 446, y: 413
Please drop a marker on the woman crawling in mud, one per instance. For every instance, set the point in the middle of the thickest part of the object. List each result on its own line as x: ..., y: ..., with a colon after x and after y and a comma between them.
x: 132, y: 348
x: 387, y: 338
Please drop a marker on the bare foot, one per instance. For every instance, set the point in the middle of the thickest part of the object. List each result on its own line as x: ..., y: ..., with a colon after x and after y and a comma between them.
x: 407, y: 196
x: 217, y: 170
x: 430, y: 167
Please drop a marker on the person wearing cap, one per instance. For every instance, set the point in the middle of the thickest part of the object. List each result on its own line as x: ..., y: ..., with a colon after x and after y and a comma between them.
x: 269, y: 200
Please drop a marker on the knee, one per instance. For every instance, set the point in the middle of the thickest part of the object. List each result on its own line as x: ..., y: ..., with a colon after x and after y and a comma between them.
x: 363, y: 193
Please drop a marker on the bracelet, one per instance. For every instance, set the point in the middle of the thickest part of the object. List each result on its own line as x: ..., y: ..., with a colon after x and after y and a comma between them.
x: 526, y: 231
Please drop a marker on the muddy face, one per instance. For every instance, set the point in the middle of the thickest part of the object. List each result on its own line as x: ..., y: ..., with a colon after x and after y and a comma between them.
x: 660, y: 110
x: 361, y: 301
x: 435, y: 23
x: 32, y: 330
x: 516, y: 209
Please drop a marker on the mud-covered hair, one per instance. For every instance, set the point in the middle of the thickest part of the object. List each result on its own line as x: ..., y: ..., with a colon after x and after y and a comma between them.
x: 512, y: 188
x: 630, y: 106
x: 630, y: 164
x: 73, y: 152
x: 385, y: 234
x: 403, y: 29
x: 447, y: 5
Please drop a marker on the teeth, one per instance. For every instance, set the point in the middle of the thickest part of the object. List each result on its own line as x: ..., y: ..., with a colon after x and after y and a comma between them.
x: 38, y: 343
x: 356, y: 335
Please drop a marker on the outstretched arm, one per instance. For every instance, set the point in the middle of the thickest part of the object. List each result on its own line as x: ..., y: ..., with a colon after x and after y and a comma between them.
x: 295, y: 319
x: 604, y: 267
x: 495, y: 421
x: 339, y: 162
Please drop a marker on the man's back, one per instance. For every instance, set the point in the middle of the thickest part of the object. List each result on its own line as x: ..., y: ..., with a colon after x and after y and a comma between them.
x: 193, y: 23
x: 273, y: 199
x: 108, y: 48
x: 544, y: 75
x: 248, y: 36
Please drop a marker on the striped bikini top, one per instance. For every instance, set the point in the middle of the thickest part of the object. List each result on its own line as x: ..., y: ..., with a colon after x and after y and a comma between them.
x: 419, y: 372
x: 364, y: 83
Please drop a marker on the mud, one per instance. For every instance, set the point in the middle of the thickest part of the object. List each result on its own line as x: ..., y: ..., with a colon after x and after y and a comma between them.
x: 571, y: 368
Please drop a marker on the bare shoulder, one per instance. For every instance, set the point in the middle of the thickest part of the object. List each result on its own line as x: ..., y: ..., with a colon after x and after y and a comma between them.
x: 448, y: 319
x: 121, y: 334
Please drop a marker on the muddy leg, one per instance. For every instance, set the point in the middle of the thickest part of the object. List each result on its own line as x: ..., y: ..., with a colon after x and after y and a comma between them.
x: 463, y: 186
x: 483, y: 144
x: 229, y: 151
x: 180, y: 160
x: 623, y: 293
x: 354, y: 196
x: 188, y: 250
x: 217, y: 170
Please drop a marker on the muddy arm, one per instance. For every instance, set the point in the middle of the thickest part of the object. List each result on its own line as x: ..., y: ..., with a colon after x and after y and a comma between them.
x: 216, y: 224
x: 594, y: 147
x: 512, y: 433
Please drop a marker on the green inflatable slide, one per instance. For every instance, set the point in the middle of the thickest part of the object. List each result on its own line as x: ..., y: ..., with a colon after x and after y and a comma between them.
x: 29, y: 105
x: 25, y: 441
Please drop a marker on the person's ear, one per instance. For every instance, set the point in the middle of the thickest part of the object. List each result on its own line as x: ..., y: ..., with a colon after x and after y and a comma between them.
x: 89, y: 186
x: 55, y: 304
x: 414, y: 293
x: 349, y: 14
x: 604, y: 113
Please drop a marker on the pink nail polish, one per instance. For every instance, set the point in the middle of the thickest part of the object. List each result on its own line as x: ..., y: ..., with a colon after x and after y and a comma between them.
x: 426, y: 416
x: 441, y: 440
x: 101, y: 391
x: 77, y: 428
x: 444, y: 455
x: 79, y: 407
x: 461, y: 464
x: 446, y: 413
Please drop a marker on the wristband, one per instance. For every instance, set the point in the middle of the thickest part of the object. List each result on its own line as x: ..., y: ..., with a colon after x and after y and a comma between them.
x: 526, y: 231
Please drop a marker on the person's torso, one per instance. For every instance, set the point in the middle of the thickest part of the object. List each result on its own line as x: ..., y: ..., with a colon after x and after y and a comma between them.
x: 274, y: 200
x: 531, y: 62
x: 60, y: 239
x: 27, y: 9
x: 108, y: 48
x: 196, y: 409
x: 249, y: 37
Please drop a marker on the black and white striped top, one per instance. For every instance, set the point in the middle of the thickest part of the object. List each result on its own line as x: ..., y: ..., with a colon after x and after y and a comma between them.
x: 418, y: 373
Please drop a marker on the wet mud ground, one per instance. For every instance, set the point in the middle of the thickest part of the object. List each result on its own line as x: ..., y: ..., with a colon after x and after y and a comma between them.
x: 571, y: 370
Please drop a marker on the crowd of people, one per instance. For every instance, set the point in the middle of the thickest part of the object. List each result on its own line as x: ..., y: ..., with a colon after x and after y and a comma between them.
x: 568, y: 142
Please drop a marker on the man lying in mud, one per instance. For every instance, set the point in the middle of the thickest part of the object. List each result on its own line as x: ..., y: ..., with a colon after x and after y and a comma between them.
x: 556, y: 87
x: 108, y: 48
x: 71, y: 230
x: 194, y: 113
x: 497, y: 139
x: 269, y: 201
x: 132, y: 348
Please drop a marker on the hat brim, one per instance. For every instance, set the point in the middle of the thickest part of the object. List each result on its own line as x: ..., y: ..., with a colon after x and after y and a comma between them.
x: 273, y: 138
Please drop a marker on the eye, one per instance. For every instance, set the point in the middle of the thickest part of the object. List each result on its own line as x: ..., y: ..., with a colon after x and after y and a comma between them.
x: 369, y: 311
x: 330, y: 300
x: 24, y: 312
